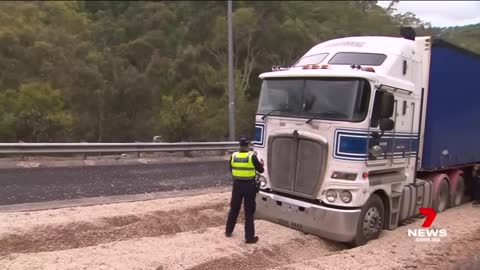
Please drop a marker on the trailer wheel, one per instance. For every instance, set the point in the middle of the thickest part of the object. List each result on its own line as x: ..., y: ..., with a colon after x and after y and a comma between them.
x: 371, y: 221
x: 441, y: 196
x: 459, y: 192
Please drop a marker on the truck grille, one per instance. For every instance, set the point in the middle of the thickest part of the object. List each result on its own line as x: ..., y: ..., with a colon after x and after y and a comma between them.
x: 296, y: 165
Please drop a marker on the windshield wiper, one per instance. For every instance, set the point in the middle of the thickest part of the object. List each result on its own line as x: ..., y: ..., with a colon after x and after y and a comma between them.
x: 329, y: 113
x: 310, y: 120
x: 270, y: 112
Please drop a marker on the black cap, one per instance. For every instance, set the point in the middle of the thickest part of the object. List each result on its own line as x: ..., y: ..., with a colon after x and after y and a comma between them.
x: 243, y: 141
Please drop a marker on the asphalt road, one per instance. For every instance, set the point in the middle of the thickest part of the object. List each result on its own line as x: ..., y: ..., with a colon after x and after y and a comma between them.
x: 48, y: 184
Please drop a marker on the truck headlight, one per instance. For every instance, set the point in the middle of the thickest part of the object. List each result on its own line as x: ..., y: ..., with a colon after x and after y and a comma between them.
x: 331, y: 195
x: 346, y: 196
x: 263, y: 181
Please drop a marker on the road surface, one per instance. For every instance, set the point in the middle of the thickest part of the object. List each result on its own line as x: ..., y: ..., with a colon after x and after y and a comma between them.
x: 28, y: 185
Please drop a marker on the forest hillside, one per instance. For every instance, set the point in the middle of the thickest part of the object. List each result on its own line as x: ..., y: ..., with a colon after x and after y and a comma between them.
x: 124, y: 71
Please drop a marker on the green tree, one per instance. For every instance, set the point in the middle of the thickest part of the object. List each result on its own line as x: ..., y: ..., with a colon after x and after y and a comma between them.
x: 40, y: 114
x: 120, y: 69
x: 181, y: 117
x: 7, y: 116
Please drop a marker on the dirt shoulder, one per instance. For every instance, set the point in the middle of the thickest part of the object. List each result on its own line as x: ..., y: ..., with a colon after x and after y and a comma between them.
x: 395, y: 250
x: 187, y: 233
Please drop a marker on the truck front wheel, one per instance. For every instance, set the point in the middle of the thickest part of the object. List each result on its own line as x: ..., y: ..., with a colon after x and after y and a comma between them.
x: 371, y: 220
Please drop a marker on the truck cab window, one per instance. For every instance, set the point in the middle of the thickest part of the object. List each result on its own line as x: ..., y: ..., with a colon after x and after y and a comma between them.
x: 311, y: 59
x: 383, y: 107
x: 376, y: 109
x: 355, y: 58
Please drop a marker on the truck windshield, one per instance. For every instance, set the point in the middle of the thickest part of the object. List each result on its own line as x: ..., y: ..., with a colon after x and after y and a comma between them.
x: 338, y: 99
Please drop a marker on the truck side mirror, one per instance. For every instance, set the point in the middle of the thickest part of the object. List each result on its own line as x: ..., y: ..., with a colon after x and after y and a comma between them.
x: 387, y: 105
x: 386, y: 124
x: 383, y: 107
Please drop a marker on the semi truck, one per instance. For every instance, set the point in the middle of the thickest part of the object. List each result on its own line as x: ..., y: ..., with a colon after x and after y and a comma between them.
x: 363, y: 131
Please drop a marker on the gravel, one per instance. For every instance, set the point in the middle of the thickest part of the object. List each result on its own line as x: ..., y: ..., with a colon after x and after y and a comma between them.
x: 187, y: 233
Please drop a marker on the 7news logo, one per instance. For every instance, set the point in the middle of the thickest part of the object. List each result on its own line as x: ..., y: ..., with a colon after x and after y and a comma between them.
x: 426, y: 234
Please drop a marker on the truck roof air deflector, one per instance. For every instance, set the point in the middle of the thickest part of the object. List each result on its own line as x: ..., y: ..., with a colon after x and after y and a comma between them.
x: 407, y: 33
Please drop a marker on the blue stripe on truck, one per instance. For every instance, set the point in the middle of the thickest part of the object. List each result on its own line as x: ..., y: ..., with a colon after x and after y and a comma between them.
x: 352, y: 145
x: 259, y: 135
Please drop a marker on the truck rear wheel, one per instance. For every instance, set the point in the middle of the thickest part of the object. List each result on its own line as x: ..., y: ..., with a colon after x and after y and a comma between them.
x: 441, y: 195
x: 459, y: 192
x: 371, y: 221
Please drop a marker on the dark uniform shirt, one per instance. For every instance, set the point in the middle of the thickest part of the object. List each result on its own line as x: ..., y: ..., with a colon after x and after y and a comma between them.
x: 258, y: 166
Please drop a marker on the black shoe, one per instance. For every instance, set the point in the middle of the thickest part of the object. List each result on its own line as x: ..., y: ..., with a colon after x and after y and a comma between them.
x: 476, y: 204
x: 252, y: 241
x: 228, y: 234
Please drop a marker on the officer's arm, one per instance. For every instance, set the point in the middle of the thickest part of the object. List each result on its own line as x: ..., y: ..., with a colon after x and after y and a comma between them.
x: 258, y: 166
x: 230, y: 163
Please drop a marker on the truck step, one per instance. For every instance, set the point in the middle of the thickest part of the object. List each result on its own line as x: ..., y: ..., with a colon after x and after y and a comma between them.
x: 393, y: 221
x: 395, y: 200
x: 396, y: 194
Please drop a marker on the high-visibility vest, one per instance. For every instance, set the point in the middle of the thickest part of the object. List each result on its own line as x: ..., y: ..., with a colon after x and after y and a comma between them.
x: 242, y: 165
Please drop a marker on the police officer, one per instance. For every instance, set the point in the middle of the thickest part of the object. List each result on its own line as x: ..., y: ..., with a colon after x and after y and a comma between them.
x: 243, y: 165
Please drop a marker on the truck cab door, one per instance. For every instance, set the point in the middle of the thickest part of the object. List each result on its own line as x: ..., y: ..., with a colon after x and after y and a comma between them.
x: 402, y: 133
x: 391, y: 144
x: 381, y: 129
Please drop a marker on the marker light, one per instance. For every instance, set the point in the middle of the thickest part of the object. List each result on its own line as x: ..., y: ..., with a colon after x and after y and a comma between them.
x: 369, y: 69
x: 278, y: 68
x: 316, y: 66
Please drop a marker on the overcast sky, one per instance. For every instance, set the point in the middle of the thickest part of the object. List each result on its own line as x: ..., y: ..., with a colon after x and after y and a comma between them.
x: 441, y: 13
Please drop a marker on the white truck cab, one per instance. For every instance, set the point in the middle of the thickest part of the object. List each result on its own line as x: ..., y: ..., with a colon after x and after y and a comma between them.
x: 338, y: 132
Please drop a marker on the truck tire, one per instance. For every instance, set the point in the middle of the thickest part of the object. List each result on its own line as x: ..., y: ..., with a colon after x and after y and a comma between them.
x: 441, y: 196
x: 459, y: 192
x: 370, y: 223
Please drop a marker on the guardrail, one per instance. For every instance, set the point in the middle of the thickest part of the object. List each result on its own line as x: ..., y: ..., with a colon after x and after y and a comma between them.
x: 85, y: 148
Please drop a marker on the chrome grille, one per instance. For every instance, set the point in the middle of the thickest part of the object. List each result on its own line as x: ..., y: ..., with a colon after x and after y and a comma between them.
x: 283, y: 162
x: 296, y: 165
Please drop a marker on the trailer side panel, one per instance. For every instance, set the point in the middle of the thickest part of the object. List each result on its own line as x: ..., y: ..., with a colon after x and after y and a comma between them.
x: 452, y: 127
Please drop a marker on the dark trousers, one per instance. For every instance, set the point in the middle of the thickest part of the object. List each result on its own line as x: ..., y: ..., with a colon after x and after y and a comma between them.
x: 243, y: 190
